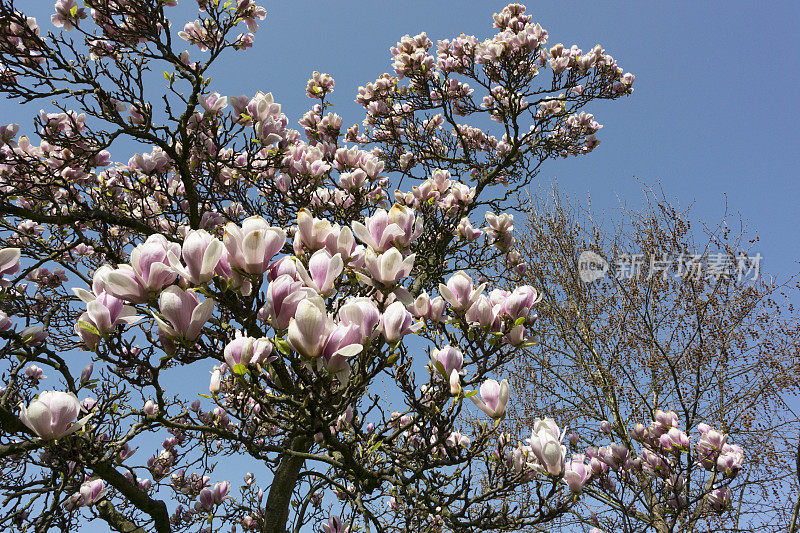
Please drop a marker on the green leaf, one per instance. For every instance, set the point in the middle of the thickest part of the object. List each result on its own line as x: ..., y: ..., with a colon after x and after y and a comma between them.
x: 227, y: 4
x: 440, y: 367
x: 86, y: 326
x: 282, y: 345
x: 470, y: 394
x: 239, y: 369
x: 519, y: 321
x: 393, y: 359
x: 204, y: 396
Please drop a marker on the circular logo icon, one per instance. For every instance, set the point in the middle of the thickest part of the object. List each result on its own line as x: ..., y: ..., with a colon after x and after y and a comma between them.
x: 591, y: 266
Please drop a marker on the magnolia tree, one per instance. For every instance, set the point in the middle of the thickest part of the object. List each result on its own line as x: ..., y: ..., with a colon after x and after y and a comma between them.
x: 341, y: 334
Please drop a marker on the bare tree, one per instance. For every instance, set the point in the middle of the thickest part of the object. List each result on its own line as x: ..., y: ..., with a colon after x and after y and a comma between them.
x: 674, y: 328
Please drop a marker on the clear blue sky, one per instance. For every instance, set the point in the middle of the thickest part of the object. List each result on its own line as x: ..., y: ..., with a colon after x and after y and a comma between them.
x: 714, y: 112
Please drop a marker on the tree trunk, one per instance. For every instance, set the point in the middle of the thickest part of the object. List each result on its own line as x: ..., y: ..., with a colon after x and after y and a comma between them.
x: 280, y: 493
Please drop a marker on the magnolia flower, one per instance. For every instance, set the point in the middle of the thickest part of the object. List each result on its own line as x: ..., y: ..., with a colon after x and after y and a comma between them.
x: 397, y: 322
x: 309, y: 328
x: 214, y: 103
x: 720, y: 499
x: 483, y: 313
x: 343, y: 342
x: 546, y: 446
x: 52, y: 414
x: 363, y: 313
x: 9, y: 263
x: 311, y: 232
x: 35, y: 373
x: 104, y: 313
x: 494, y: 397
x: 33, y: 335
x: 323, y: 270
x: 5, y: 322
x: 247, y: 350
x: 577, y: 473
x: 283, y: 296
x: 388, y: 268
x: 149, y: 270
x: 449, y: 357
x: 455, y: 383
x: 185, y: 313
x: 335, y: 525
x: 149, y: 408
x: 252, y: 247
x: 91, y: 491
x: 459, y: 291
x: 341, y: 241
x: 283, y: 266
x: 674, y: 439
x: 384, y: 230
x: 518, y: 304
x: 211, y: 497
x: 466, y: 231
x: 500, y: 224
x: 201, y: 252
x: 216, y: 381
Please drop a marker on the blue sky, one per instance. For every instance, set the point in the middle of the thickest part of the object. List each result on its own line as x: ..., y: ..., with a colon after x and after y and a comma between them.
x: 713, y: 115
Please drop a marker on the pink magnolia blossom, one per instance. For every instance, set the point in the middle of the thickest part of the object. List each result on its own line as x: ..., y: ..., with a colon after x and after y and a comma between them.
x: 52, y: 414
x: 149, y: 270
x: 323, y: 270
x: 252, y: 247
x: 311, y: 232
x: 494, y: 397
x: 343, y: 342
x: 387, y: 268
x: 335, y: 525
x: 518, y: 304
x: 247, y: 350
x: 577, y: 473
x: 9, y: 264
x: 283, y: 296
x: 449, y: 357
x: 546, y: 446
x: 91, y: 492
x: 397, y: 322
x: 459, y: 291
x: 363, y: 313
x: 104, y: 313
x: 720, y: 499
x: 384, y: 229
x: 309, y: 328
x: 184, y: 313
x: 484, y: 314
x: 33, y: 335
x: 211, y: 497
x: 201, y: 252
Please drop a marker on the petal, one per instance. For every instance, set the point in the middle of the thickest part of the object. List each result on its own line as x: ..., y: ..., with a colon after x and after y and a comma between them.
x: 200, y: 316
x: 254, y: 248
x: 210, y: 259
x: 360, y: 231
x: 84, y: 295
x: 100, y: 316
